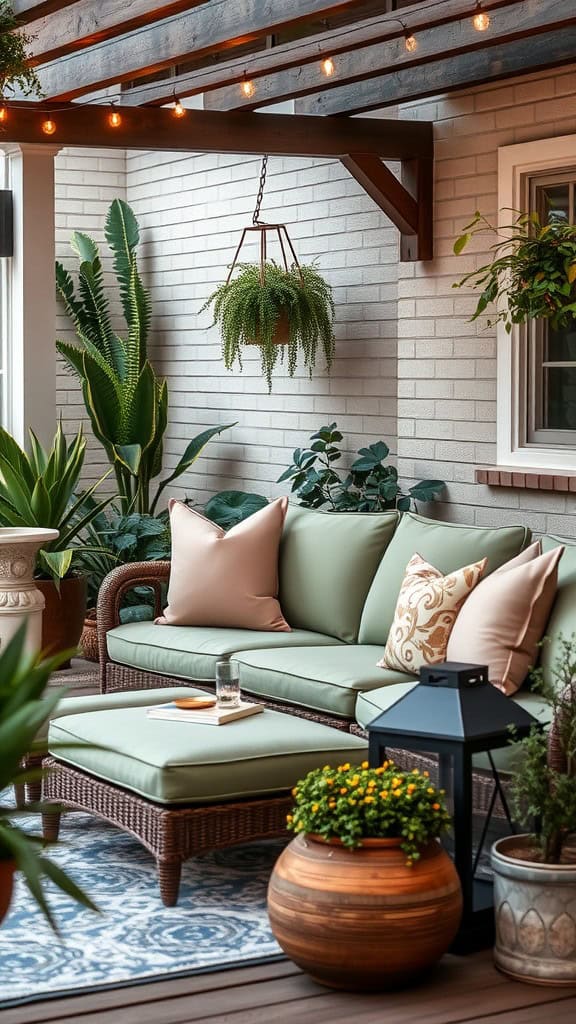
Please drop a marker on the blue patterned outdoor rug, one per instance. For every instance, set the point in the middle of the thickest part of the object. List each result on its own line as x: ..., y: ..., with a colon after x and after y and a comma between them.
x: 220, y: 920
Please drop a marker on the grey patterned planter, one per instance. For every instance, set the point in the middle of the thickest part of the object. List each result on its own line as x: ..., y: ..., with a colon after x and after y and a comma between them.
x: 535, y: 906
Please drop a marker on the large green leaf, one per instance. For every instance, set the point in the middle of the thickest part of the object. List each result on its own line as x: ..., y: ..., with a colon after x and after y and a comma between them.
x: 130, y: 455
x: 56, y: 563
x: 193, y: 450
x: 102, y: 399
x: 140, y: 415
x: 84, y: 247
x: 227, y: 508
x: 122, y: 235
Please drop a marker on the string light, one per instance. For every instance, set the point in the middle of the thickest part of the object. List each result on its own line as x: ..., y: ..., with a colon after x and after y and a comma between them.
x: 410, y: 41
x: 114, y: 119
x: 3, y: 113
x: 328, y: 67
x: 49, y: 126
x: 247, y: 87
x: 481, y: 19
x: 179, y: 110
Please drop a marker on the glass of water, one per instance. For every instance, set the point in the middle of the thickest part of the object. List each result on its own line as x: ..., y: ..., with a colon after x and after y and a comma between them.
x: 227, y: 684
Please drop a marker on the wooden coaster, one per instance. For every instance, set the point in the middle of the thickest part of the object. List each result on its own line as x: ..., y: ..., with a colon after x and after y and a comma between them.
x: 194, y: 703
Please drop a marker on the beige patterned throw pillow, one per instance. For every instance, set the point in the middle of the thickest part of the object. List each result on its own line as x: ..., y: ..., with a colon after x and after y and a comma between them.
x: 426, y: 611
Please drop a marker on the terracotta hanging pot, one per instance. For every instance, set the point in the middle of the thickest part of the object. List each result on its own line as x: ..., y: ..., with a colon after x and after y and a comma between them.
x: 64, y: 614
x: 361, y: 919
x: 281, y: 334
x: 7, y: 868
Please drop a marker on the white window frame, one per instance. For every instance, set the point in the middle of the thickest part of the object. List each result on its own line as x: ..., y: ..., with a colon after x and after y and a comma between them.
x: 516, y: 164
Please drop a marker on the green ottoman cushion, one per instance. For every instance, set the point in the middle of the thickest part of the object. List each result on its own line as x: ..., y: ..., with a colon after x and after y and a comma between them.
x: 447, y: 546
x: 327, y: 563
x: 191, y: 652
x: 102, y: 701
x: 183, y: 763
x: 321, y: 678
x: 562, y: 621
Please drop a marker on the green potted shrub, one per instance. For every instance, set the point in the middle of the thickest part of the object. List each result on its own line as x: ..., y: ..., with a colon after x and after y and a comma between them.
x: 15, y: 69
x: 535, y: 873
x: 284, y: 311
x: 40, y: 489
x: 364, y: 870
x: 532, y: 273
x: 369, y: 486
x: 23, y: 709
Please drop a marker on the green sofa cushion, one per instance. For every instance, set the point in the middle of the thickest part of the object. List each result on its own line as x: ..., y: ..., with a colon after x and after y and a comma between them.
x: 102, y: 701
x: 321, y: 678
x: 370, y: 705
x: 562, y: 620
x: 191, y: 652
x: 179, y: 762
x: 327, y: 563
x: 447, y: 546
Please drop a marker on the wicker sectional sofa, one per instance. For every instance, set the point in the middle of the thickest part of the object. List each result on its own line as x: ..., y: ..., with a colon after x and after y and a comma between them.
x: 339, y: 575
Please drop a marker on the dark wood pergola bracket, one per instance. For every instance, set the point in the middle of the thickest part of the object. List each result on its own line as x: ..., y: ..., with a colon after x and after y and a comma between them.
x: 407, y: 202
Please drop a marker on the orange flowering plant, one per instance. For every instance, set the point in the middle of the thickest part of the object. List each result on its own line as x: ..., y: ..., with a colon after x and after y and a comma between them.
x: 352, y: 803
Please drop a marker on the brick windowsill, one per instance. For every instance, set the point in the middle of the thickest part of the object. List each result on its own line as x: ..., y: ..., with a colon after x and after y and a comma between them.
x: 527, y: 479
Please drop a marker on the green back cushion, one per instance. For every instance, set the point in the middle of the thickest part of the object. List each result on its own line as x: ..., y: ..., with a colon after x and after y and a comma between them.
x: 327, y: 563
x: 563, y: 617
x: 447, y: 546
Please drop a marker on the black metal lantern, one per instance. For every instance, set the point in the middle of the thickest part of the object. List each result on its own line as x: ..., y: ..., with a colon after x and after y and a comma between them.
x: 455, y: 712
x: 6, y: 223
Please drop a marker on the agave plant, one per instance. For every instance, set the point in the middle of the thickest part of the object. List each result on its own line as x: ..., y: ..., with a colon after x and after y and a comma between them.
x: 23, y: 709
x: 40, y: 489
x: 126, y: 401
x: 253, y: 307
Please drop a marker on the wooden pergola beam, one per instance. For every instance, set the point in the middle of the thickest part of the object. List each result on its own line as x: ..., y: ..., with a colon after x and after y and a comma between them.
x: 296, y: 56
x: 27, y: 10
x: 518, y: 21
x: 206, y: 29
x: 497, y: 63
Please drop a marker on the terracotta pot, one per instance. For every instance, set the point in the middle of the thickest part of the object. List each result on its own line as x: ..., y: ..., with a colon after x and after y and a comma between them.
x: 64, y: 613
x: 281, y: 334
x: 361, y: 919
x: 7, y: 868
x: 89, y: 638
x: 535, y: 906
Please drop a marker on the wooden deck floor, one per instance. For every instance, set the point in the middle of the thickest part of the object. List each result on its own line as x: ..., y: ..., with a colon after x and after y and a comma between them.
x: 461, y: 989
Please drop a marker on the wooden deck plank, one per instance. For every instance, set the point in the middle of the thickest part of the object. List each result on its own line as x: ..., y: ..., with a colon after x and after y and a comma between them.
x: 562, y: 1010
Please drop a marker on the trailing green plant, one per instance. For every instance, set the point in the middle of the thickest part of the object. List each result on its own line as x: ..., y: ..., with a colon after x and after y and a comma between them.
x: 23, y: 710
x: 228, y: 508
x: 543, y: 789
x: 252, y: 307
x: 14, y: 67
x: 355, y: 802
x: 40, y: 490
x: 532, y: 273
x: 369, y: 486
x: 126, y: 401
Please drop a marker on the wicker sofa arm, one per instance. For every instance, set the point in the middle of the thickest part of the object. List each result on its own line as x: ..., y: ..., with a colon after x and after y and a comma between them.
x: 116, y: 584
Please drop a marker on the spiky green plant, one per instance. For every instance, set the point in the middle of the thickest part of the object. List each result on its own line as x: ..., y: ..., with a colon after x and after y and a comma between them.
x: 249, y: 310
x: 126, y: 401
x: 14, y: 67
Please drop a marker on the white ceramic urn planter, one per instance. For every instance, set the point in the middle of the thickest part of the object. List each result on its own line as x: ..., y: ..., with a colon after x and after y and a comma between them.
x: 535, y: 906
x: 20, y: 599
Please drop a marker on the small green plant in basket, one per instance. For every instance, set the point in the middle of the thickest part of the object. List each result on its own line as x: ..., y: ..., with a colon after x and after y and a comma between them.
x: 352, y: 803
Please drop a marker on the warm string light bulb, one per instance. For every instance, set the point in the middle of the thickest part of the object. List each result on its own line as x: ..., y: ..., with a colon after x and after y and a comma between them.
x: 49, y: 126
x: 114, y: 119
x: 481, y: 19
x: 410, y: 41
x: 3, y: 113
x: 178, y: 110
x: 328, y: 67
x: 247, y: 87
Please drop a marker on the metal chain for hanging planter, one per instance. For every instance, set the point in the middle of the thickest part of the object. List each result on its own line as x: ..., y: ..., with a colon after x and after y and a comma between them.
x: 281, y: 232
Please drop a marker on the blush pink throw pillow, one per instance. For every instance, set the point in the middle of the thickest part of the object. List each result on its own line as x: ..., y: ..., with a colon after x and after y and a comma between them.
x: 503, y: 620
x: 225, y: 579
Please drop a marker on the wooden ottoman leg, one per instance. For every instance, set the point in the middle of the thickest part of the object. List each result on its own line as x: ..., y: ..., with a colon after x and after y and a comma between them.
x: 20, y: 794
x: 50, y: 825
x: 34, y: 791
x: 169, y: 872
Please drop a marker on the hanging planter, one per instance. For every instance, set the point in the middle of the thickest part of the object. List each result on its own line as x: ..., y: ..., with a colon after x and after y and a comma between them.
x: 285, y: 309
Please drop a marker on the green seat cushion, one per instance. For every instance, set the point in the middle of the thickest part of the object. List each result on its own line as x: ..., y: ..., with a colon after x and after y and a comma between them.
x: 447, y: 546
x: 327, y: 563
x: 180, y: 762
x: 321, y: 678
x: 191, y: 652
x: 562, y: 621
x: 370, y: 705
x: 101, y: 701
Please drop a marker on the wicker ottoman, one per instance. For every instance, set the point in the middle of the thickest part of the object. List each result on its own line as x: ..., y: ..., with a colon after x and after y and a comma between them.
x: 183, y: 788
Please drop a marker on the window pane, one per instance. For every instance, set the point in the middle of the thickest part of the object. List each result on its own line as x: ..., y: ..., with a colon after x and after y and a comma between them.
x: 560, y: 398
x: 555, y: 203
x: 561, y: 345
